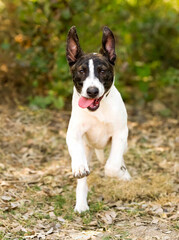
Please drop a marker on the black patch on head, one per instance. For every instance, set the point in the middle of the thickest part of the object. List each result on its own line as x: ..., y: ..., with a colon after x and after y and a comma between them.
x: 80, y: 71
x: 103, y: 70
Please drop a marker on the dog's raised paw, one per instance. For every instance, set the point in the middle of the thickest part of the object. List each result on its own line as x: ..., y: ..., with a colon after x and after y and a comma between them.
x: 124, y: 175
x: 121, y: 173
x: 81, y: 171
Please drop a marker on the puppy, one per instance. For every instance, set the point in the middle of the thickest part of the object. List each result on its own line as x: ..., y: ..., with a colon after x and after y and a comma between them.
x: 98, y: 115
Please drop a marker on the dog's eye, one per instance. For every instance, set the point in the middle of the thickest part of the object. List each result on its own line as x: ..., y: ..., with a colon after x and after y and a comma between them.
x: 80, y: 84
x: 81, y: 71
x: 101, y: 71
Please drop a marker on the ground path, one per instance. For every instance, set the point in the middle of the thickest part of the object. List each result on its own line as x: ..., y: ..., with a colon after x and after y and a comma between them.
x: 37, y: 190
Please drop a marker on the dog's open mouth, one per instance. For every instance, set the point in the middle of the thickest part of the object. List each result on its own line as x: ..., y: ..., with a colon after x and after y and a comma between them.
x: 91, y: 103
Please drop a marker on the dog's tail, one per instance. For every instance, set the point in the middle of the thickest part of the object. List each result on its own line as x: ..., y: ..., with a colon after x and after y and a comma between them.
x: 100, y: 155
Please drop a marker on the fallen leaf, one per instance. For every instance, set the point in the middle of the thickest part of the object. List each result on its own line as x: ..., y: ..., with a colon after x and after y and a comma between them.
x: 50, y: 231
x: 6, y: 198
x: 52, y: 215
x: 155, y: 221
x: 15, y: 205
x: 109, y: 217
x: 60, y: 219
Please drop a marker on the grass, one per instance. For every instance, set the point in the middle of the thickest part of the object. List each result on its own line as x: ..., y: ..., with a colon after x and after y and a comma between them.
x: 120, y: 236
x: 1, y: 234
x: 41, y: 183
x: 149, y: 187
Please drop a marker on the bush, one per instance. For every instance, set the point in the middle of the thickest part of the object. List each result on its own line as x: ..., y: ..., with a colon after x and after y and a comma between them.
x: 34, y: 35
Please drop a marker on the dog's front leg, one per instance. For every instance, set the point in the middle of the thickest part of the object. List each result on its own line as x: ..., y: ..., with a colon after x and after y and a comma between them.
x: 77, y: 152
x: 80, y: 168
x: 115, y: 166
x: 81, y: 195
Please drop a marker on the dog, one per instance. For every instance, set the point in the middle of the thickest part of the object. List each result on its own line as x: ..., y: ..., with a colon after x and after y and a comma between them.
x: 98, y: 114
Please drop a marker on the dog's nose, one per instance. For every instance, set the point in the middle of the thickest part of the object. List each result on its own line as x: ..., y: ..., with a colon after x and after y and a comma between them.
x: 92, y: 92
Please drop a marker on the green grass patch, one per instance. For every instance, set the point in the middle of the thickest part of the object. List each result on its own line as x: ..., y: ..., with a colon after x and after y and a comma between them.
x: 36, y: 188
x: 107, y: 238
x: 1, y: 235
x: 70, y: 215
x: 40, y: 215
x: 97, y: 206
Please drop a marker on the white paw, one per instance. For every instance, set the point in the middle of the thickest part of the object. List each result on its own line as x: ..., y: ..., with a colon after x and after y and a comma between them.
x: 81, y: 208
x: 124, y: 175
x: 80, y: 171
x: 120, y: 173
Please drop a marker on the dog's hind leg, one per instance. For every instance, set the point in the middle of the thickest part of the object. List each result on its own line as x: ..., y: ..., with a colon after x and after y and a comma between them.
x: 81, y: 195
x: 89, y: 153
x: 100, y: 155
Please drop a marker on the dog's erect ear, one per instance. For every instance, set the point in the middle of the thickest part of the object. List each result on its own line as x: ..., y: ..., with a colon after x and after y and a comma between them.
x: 73, y: 50
x: 108, y: 45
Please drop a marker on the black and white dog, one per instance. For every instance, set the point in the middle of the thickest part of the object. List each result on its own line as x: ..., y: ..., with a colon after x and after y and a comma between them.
x: 98, y: 113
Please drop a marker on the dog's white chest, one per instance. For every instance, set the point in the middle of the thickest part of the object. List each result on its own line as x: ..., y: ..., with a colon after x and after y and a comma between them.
x: 99, y: 134
x: 98, y: 127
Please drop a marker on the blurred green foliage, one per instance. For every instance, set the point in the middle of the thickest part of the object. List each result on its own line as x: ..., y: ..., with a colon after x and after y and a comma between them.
x: 147, y: 44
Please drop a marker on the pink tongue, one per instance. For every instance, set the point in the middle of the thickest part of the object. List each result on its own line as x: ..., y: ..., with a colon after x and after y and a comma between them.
x: 85, y: 102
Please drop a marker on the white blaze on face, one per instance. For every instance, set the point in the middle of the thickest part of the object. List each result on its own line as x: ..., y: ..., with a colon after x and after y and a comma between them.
x: 92, y: 81
x: 91, y: 69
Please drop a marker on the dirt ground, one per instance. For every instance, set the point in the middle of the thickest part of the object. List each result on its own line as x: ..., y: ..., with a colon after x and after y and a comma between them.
x: 37, y: 189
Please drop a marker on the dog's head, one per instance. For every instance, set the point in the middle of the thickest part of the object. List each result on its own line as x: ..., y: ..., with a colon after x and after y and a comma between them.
x: 92, y: 73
